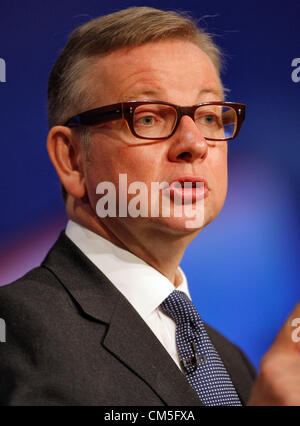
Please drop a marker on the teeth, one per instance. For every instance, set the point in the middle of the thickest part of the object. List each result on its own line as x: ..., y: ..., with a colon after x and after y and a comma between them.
x: 187, y: 184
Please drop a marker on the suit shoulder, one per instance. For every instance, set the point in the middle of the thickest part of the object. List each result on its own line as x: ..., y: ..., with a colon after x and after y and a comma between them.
x: 35, y: 290
x: 30, y: 282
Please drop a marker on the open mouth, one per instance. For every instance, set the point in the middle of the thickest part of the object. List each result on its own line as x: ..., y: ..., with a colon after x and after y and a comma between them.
x: 188, y: 189
x: 187, y: 184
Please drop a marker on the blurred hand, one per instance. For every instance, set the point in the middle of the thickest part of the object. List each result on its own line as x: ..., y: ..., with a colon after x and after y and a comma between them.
x: 278, y: 382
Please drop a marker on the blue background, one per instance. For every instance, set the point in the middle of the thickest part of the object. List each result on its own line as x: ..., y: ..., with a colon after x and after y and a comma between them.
x: 243, y: 269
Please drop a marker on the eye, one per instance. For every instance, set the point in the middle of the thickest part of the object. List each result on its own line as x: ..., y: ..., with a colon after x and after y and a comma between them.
x: 208, y: 119
x: 148, y: 120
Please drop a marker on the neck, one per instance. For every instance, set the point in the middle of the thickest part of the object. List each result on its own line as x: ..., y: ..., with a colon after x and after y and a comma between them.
x: 159, y: 247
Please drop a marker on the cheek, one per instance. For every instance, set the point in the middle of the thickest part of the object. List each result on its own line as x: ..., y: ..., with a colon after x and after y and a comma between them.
x: 139, y: 163
x: 109, y: 159
x: 219, y: 168
x: 222, y: 180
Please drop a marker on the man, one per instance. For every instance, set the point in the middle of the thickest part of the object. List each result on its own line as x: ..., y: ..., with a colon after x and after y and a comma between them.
x: 94, y: 324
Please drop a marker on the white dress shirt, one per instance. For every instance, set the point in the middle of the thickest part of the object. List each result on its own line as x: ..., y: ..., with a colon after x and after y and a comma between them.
x: 142, y: 285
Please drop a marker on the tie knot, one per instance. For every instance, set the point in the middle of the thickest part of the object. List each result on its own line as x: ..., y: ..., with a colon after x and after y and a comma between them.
x: 179, y: 307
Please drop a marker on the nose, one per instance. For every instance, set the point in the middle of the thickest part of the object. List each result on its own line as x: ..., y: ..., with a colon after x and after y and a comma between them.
x: 188, y: 144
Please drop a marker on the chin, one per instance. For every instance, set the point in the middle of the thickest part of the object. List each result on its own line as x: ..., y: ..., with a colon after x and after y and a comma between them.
x: 179, y: 225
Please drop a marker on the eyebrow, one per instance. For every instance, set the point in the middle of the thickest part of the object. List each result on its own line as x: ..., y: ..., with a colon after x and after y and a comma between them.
x: 134, y: 95
x: 213, y: 91
x: 156, y: 94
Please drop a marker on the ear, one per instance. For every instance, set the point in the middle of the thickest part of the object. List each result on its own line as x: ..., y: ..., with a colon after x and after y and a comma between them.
x: 66, y: 156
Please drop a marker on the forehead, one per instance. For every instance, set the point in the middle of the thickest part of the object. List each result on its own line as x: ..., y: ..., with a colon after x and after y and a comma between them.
x: 173, y: 70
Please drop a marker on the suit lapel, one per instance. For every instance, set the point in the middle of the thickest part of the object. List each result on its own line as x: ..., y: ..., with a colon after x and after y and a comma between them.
x: 128, y: 337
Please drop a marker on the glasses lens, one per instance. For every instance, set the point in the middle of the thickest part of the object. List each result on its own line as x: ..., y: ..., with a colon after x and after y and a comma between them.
x: 154, y: 120
x: 215, y: 121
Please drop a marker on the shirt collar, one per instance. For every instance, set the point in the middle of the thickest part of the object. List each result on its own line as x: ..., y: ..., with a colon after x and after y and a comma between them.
x: 143, y: 286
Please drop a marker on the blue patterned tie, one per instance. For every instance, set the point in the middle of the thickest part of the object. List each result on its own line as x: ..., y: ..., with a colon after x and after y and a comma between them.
x: 201, y: 362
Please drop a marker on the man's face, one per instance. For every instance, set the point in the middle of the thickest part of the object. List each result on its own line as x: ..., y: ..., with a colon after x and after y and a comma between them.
x: 173, y: 71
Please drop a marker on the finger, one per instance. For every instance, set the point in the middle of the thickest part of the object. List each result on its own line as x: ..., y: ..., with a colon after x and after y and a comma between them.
x: 288, y: 337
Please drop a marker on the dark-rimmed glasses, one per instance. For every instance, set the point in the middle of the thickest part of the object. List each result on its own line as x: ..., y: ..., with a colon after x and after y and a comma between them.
x: 156, y: 120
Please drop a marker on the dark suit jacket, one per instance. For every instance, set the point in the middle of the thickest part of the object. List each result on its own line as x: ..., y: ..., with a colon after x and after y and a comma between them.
x: 73, y: 339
